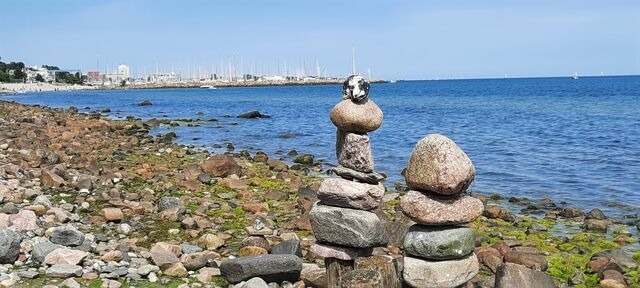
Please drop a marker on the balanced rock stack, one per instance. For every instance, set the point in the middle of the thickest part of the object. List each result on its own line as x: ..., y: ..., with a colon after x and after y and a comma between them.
x: 439, y: 248
x: 342, y: 222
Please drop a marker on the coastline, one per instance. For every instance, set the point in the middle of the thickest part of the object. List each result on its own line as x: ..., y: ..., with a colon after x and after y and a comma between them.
x: 17, y: 88
x: 89, y: 168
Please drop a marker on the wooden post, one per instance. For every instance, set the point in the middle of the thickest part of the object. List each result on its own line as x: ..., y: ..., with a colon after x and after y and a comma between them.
x: 363, y: 278
x: 336, y: 269
x: 384, y: 265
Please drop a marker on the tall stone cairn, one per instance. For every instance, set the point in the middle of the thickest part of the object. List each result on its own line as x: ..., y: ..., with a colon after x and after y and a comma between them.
x: 439, y: 248
x: 342, y: 221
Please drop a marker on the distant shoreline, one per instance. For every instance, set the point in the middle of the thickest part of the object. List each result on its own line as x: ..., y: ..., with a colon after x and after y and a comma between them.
x: 19, y: 88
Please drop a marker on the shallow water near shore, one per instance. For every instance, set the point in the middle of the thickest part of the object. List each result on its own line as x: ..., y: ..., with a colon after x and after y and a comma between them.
x: 575, y: 141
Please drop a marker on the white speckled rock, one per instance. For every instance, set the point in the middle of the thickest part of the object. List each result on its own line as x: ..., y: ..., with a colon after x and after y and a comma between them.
x: 448, y: 273
x: 349, y: 194
x: 438, y: 165
x: 353, y: 151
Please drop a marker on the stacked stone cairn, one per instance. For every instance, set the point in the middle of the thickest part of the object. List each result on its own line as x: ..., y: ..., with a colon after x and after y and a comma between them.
x: 345, y: 228
x: 439, y: 248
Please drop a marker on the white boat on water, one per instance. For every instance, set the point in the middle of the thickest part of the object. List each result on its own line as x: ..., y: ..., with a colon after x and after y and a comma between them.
x: 575, y: 76
x: 208, y: 87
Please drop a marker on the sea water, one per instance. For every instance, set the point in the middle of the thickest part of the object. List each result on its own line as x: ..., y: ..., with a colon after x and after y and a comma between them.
x: 576, y: 141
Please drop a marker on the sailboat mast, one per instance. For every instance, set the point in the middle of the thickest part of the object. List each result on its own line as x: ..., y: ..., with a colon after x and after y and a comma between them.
x: 353, y: 60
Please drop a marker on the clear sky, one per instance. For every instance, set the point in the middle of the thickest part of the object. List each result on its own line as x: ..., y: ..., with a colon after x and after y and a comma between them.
x: 394, y: 39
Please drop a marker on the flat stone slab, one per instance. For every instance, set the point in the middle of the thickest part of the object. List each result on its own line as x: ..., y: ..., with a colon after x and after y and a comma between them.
x: 271, y: 268
x: 353, y: 150
x: 346, y: 227
x: 339, y: 252
x: 349, y: 194
x: 447, y: 273
x: 439, y: 242
x: 514, y: 275
x: 433, y: 209
x: 64, y: 271
x: 350, y: 174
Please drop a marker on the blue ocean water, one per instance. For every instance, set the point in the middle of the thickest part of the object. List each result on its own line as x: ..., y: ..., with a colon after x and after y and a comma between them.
x: 569, y: 140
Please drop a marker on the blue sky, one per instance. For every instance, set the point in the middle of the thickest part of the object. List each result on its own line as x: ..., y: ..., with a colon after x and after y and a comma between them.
x: 394, y: 39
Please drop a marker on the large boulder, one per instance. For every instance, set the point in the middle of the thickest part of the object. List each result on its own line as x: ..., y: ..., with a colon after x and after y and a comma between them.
x: 271, y: 268
x: 349, y: 194
x: 221, y: 166
x: 431, y: 209
x: 353, y: 151
x: 438, y: 165
x: 347, y: 227
x: 9, y: 246
x: 515, y: 275
x: 439, y: 242
x: 447, y: 273
x: 361, y: 117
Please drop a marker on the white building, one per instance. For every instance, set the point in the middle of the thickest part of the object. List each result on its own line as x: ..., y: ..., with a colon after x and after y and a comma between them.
x: 124, y: 71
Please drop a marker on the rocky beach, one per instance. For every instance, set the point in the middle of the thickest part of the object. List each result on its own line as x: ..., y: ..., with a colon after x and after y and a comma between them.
x: 86, y: 201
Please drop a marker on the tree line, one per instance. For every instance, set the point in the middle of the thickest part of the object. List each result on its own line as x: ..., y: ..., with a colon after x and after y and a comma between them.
x: 14, y: 72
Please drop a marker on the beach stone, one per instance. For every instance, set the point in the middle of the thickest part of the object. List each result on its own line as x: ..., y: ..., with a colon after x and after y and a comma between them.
x: 163, y: 259
x: 438, y: 165
x: 362, y: 278
x: 256, y: 282
x: 168, y: 202
x: 325, y: 250
x: 145, y: 102
x: 490, y: 258
x: 49, y: 178
x: 596, y: 213
x: 210, y: 241
x: 42, y: 249
x: 446, y: 273
x: 25, y: 220
x: 353, y: 151
x: 350, y: 174
x: 175, y: 270
x: 271, y: 268
x: 313, y: 276
x: 571, y: 212
x: 349, y: 194
x: 221, y: 166
x: 431, y: 209
x: 64, y: 271
x: 112, y: 214
x: 67, y: 236
x: 65, y: 256
x: 530, y: 260
x: 252, y: 251
x: 362, y: 117
x: 9, y: 246
x: 611, y: 283
x: 347, y: 227
x: 288, y: 247
x: 514, y: 275
x: 439, y: 243
x: 113, y: 255
x: 622, y: 258
x: 258, y: 241
x: 596, y: 225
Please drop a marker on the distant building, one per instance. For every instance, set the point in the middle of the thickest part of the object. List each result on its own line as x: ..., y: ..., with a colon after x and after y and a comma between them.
x: 124, y: 71
x: 93, y: 76
x: 33, y: 72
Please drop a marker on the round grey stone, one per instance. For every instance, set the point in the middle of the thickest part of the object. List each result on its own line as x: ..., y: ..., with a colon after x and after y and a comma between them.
x: 67, y: 236
x: 439, y: 242
x: 271, y: 268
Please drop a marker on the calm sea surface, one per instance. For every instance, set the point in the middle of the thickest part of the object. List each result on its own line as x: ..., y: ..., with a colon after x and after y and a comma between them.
x: 570, y: 140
